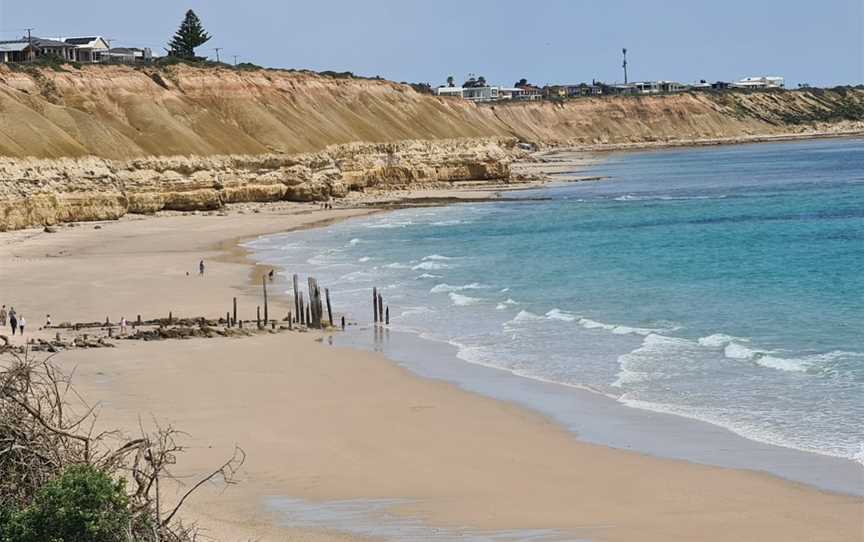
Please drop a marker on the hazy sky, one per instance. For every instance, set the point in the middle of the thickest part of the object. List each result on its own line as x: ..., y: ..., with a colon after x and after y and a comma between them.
x: 818, y: 42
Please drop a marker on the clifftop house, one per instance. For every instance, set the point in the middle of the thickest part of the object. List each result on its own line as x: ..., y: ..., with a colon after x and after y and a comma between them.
x: 84, y: 49
x: 764, y: 81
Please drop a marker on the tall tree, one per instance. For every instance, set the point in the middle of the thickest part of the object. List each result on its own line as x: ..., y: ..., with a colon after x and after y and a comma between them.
x: 190, y: 35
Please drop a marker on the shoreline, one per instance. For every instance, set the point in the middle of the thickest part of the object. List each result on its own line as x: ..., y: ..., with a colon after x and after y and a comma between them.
x: 365, y: 438
x: 821, y: 471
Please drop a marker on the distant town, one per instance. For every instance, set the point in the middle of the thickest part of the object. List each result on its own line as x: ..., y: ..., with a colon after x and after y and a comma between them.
x: 95, y: 49
x: 477, y: 90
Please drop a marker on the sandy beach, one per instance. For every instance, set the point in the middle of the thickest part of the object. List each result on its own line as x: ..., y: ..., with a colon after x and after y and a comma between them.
x: 322, y: 424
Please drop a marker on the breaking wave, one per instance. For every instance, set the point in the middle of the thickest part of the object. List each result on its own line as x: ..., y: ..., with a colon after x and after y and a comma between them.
x: 459, y: 299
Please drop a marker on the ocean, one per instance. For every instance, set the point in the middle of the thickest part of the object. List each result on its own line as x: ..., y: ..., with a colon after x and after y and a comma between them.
x: 723, y: 284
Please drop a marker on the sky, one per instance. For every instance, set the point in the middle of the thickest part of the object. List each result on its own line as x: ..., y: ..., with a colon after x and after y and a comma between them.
x: 549, y: 41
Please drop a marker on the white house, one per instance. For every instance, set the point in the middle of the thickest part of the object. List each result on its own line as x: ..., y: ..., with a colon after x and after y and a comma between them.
x: 474, y: 94
x: 87, y: 48
x: 761, y: 82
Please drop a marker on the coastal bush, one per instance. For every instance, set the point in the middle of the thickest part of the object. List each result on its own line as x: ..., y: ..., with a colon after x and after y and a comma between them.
x: 83, y: 504
x: 59, y: 482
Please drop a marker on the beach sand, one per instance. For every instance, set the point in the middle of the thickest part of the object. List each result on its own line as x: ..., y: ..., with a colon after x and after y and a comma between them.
x: 320, y: 423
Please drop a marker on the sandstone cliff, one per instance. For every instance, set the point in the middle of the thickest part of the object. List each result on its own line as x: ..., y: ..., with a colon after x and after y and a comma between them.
x: 101, y: 141
x: 120, y: 113
x: 45, y: 192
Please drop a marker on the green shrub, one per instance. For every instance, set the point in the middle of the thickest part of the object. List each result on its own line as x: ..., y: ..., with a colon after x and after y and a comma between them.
x: 83, y: 504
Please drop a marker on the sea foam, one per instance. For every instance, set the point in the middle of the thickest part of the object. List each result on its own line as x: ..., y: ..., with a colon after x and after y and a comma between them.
x: 430, y: 266
x: 459, y: 299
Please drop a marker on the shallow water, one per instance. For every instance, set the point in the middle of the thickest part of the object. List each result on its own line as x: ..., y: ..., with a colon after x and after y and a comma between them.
x: 723, y: 284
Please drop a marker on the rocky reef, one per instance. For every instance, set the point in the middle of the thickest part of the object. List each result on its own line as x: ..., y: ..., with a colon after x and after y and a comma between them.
x: 45, y: 192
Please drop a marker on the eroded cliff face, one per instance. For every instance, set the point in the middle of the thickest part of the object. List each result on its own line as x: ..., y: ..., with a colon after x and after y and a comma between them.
x: 101, y: 141
x: 45, y: 192
x: 120, y: 113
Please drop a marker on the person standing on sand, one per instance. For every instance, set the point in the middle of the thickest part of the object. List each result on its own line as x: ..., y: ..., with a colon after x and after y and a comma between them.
x: 123, y: 325
x: 13, y: 320
x: 47, y: 320
x: 3, y: 316
x: 201, y: 268
x: 21, y: 322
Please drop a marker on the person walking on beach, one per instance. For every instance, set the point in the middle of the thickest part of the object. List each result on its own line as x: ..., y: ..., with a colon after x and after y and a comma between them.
x: 123, y: 325
x: 13, y: 320
x: 47, y: 320
x: 21, y: 322
x: 3, y: 315
x: 201, y: 268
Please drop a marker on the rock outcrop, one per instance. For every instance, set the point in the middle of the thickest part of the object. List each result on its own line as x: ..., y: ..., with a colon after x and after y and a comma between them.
x: 45, y: 192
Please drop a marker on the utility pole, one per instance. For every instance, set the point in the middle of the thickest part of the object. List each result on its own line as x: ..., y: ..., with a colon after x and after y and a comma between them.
x: 625, y: 65
x: 217, y: 53
x: 235, y: 61
x: 30, y: 52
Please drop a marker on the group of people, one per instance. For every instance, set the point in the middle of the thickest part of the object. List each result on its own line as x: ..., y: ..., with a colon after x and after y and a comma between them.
x: 16, y: 321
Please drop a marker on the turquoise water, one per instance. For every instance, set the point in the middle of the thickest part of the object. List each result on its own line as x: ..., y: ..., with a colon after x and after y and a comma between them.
x: 723, y: 284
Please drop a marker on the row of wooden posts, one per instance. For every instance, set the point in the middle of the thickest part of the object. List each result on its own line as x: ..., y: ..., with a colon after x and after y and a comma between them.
x: 307, y: 312
x: 380, y: 313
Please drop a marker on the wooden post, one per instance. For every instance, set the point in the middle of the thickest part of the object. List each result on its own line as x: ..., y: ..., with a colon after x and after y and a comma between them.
x: 301, y: 315
x: 139, y: 320
x: 107, y: 322
x: 313, y: 320
x: 387, y: 315
x: 308, y: 316
x: 273, y: 324
x: 258, y: 316
x: 57, y: 337
x: 241, y: 324
x: 380, y: 307
x: 227, y: 319
x: 329, y: 308
x: 110, y: 331
x: 296, y: 298
x: 264, y: 285
x: 343, y: 323
x: 375, y: 305
x: 290, y: 321
x: 235, y: 312
x: 170, y: 317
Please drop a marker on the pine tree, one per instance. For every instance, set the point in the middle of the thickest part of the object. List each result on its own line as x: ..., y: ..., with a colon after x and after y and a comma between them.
x: 189, y: 36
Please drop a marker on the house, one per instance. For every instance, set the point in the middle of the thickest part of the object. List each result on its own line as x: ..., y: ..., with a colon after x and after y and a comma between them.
x: 16, y: 51
x: 56, y: 48
x: 474, y: 94
x: 761, y: 82
x: 528, y: 92
x: 88, y: 48
x: 25, y: 49
x: 450, y: 92
x: 127, y: 55
x: 481, y: 94
x: 656, y: 87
